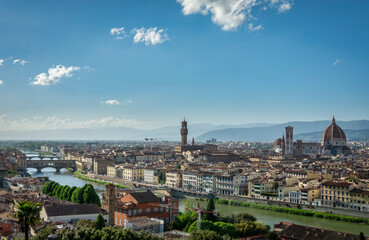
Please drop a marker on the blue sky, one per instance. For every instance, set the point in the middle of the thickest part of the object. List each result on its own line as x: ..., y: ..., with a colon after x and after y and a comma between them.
x: 146, y: 64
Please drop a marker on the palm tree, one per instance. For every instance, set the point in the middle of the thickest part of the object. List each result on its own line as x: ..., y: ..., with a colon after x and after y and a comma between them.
x: 28, y: 214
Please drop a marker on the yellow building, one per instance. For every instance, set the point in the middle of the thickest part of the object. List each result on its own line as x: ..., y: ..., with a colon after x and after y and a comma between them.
x: 359, y: 200
x: 335, y: 194
x: 133, y: 173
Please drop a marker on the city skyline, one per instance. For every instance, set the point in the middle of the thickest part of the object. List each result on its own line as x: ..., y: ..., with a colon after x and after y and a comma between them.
x: 146, y: 65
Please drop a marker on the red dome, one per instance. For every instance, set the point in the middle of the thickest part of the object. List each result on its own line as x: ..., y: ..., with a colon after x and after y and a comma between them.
x: 333, y: 131
x: 278, y: 142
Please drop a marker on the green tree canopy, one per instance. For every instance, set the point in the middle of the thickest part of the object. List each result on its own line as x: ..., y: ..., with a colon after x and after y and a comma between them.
x: 100, y: 222
x: 28, y: 214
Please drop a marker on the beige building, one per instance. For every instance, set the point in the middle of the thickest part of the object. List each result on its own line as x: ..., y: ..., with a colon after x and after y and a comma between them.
x: 133, y: 173
x: 173, y: 179
x: 100, y: 166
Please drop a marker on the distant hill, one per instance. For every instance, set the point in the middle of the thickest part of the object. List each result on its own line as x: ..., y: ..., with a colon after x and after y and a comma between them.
x: 170, y: 133
x: 351, y: 135
x: 271, y: 133
x: 201, y: 132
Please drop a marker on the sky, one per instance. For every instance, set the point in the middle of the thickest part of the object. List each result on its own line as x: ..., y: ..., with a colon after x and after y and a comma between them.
x: 147, y: 64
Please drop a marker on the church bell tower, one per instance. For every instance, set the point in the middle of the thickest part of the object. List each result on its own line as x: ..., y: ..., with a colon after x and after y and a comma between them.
x: 184, y: 132
x: 110, y: 202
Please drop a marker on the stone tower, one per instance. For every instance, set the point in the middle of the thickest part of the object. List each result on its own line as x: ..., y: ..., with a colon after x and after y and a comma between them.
x: 289, y: 140
x: 283, y: 146
x: 184, y: 132
x: 110, y: 202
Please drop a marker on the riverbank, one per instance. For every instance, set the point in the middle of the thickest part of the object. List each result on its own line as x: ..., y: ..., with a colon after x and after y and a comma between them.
x: 294, y: 211
x: 81, y: 176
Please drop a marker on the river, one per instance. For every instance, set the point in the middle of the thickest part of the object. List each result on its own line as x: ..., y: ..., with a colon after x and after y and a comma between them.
x: 267, y: 217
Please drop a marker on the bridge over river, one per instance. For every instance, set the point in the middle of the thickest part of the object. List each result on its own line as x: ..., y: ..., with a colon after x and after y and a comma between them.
x: 56, y: 164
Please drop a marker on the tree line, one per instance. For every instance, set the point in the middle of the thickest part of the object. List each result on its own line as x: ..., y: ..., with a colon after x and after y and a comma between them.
x: 83, y: 195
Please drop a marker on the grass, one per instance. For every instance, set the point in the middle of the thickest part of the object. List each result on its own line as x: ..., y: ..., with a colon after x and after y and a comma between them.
x: 79, y: 175
x: 294, y: 211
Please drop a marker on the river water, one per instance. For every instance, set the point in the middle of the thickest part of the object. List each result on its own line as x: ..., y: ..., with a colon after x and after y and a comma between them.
x: 267, y: 217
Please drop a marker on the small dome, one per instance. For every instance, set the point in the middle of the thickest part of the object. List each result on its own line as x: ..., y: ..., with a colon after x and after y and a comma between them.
x: 333, y: 132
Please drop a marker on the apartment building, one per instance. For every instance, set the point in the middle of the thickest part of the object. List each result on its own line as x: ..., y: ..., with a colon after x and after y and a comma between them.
x: 335, y: 194
x: 149, y: 174
x: 173, y: 178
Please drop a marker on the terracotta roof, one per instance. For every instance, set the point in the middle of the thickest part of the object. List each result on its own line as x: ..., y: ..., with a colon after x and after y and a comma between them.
x: 293, y: 231
x: 337, y: 184
x: 143, y: 197
x: 78, y: 209
x: 333, y: 131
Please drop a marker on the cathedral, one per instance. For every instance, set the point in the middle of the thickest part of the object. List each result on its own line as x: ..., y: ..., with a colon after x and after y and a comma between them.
x: 333, y: 142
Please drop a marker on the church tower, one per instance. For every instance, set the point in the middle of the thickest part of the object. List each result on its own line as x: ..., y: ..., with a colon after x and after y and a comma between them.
x: 283, y: 146
x: 289, y: 140
x: 110, y: 202
x: 184, y: 132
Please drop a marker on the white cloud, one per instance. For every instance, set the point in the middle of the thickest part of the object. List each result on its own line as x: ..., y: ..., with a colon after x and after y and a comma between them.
x: 20, y: 61
x: 118, y: 32
x: 230, y: 14
x: 1, y: 82
x: 112, y: 102
x: 284, y: 7
x: 3, y: 118
x: 149, y: 36
x: 255, y: 28
x: 337, y: 61
x: 54, y: 75
x: 1, y: 61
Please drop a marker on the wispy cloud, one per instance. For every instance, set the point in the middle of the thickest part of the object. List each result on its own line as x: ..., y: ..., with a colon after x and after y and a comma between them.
x: 119, y: 33
x: 20, y: 62
x: 112, y: 102
x: 116, y: 102
x: 255, y: 28
x: 55, y: 122
x: 1, y: 82
x: 1, y: 62
x: 284, y: 7
x: 230, y: 14
x: 149, y: 36
x: 54, y: 75
x: 337, y: 61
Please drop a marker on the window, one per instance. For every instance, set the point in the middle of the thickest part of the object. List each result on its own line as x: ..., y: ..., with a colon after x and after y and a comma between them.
x: 156, y: 209
x: 134, y: 212
x: 129, y: 212
x: 147, y: 209
x: 139, y: 210
x: 167, y: 219
x: 161, y: 209
x: 120, y: 222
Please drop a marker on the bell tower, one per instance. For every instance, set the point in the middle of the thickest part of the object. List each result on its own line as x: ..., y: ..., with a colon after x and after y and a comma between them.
x: 289, y: 140
x: 184, y: 133
x: 110, y: 202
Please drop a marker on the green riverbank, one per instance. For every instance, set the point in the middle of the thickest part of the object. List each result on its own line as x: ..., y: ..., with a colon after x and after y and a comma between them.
x: 294, y: 211
x: 79, y: 175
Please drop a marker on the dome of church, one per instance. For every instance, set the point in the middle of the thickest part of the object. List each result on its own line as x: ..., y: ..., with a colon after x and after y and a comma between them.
x: 333, y: 132
x: 277, y: 142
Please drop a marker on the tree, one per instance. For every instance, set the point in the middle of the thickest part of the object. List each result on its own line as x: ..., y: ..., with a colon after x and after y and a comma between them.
x: 28, y: 214
x: 44, y: 233
x: 100, y: 222
x: 90, y: 196
x: 210, y: 207
x: 64, y: 195
x: 70, y: 192
x: 161, y: 177
x: 225, y: 229
x: 242, y: 217
x: 205, y: 235
x: 361, y: 236
x: 75, y: 195
x: 249, y: 229
x: 83, y: 223
x: 272, y: 236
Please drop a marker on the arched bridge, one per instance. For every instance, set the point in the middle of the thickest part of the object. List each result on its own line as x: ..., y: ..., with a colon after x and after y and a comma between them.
x: 57, y: 164
x: 42, y: 158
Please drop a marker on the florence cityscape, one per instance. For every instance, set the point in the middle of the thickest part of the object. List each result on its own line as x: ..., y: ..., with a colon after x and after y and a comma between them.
x: 184, y: 119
